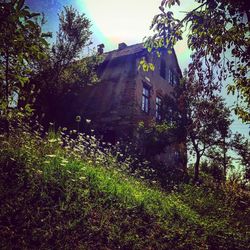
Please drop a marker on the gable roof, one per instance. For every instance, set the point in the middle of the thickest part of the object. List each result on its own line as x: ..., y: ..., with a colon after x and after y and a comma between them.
x: 132, y: 50
x: 129, y: 50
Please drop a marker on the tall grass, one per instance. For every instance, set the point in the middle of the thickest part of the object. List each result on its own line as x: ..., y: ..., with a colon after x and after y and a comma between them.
x: 59, y: 192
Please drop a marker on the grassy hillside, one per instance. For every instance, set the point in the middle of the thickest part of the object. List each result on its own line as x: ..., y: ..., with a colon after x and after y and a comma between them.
x: 67, y: 194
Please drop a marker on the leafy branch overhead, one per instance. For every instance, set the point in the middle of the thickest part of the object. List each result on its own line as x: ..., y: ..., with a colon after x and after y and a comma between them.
x: 219, y: 38
x: 164, y: 25
x: 23, y: 44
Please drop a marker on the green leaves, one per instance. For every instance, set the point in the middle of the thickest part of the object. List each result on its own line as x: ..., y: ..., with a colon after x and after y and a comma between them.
x: 145, y: 65
x: 167, y: 31
x: 219, y: 39
x: 169, y: 3
x: 31, y: 24
x: 231, y: 89
x: 21, y: 48
x: 23, y: 80
x: 31, y: 15
x: 28, y: 109
x: 151, y: 66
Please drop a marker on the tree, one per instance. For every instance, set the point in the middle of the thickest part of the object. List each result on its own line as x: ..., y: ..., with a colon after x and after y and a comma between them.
x: 64, y: 74
x: 22, y: 45
x: 194, y: 116
x: 219, y: 40
x: 219, y: 159
x: 73, y: 36
x: 212, y: 168
x: 218, y: 153
x: 208, y: 121
x: 242, y: 147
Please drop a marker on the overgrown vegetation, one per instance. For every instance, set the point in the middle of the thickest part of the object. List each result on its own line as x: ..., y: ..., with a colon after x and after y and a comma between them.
x: 69, y: 190
x: 218, y: 36
x: 52, y: 196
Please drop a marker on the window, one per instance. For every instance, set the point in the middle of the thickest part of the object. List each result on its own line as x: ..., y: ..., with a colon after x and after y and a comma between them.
x: 158, y: 108
x: 145, y: 99
x: 171, y: 115
x: 171, y: 77
x: 176, y: 80
x: 177, y: 156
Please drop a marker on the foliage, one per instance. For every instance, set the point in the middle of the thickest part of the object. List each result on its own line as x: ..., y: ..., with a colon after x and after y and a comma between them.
x: 219, y: 40
x: 220, y: 159
x: 22, y: 45
x: 208, y: 121
x: 156, y: 140
x: 242, y: 147
x: 64, y: 74
x: 212, y: 168
x: 166, y: 137
x: 70, y: 190
x: 194, y: 116
x: 162, y: 25
x: 72, y: 37
x: 56, y: 193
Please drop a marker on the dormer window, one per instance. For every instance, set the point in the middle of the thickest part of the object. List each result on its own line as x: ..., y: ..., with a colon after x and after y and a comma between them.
x: 145, y: 99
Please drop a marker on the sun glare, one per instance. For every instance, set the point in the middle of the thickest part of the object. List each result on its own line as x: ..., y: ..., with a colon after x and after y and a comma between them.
x: 122, y: 21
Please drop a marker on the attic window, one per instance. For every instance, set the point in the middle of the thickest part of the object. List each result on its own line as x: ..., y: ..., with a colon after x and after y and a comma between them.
x: 145, y: 99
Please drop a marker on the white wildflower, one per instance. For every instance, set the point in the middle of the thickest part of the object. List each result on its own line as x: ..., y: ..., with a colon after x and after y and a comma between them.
x: 51, y: 156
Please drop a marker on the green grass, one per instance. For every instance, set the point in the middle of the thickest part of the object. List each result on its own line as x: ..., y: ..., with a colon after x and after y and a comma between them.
x: 133, y: 193
x: 52, y: 199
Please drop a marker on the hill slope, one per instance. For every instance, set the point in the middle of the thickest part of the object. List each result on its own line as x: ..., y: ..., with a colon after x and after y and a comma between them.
x: 52, y: 199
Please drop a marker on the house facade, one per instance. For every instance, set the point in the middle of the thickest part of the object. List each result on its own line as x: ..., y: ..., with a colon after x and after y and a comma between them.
x: 127, y: 95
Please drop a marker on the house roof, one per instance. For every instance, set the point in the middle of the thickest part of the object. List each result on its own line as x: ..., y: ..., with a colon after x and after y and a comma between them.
x: 131, y: 50
x: 128, y: 50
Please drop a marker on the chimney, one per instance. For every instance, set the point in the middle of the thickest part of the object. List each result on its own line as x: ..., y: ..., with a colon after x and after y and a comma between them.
x: 100, y: 48
x: 122, y: 46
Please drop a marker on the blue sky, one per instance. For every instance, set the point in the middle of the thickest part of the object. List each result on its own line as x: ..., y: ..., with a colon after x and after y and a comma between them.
x: 115, y: 21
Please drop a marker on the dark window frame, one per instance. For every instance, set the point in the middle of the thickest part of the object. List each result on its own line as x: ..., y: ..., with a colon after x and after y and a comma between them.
x: 171, y: 77
x: 145, y: 103
x: 158, y: 103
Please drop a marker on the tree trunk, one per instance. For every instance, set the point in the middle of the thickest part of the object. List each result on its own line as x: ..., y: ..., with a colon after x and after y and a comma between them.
x: 197, y: 168
x: 6, y: 111
x: 224, y: 159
